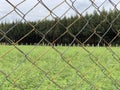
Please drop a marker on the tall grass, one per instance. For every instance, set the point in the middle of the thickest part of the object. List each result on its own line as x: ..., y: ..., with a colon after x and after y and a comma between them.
x: 42, y: 68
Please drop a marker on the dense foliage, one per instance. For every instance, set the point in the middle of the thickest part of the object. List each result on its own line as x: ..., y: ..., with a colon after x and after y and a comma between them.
x: 103, y: 28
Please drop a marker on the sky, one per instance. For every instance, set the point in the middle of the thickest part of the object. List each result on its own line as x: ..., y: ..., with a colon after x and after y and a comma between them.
x: 58, y: 7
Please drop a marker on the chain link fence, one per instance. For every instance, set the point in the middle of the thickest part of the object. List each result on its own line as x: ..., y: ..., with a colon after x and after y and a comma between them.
x: 74, y: 62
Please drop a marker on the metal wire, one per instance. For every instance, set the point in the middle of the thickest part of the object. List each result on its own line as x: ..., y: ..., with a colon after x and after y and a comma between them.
x: 28, y: 68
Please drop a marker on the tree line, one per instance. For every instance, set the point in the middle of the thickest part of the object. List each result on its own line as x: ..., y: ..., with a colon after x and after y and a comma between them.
x: 96, y: 28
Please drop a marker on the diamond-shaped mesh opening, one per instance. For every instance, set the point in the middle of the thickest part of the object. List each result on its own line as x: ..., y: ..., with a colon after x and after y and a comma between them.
x: 33, y: 8
x: 59, y: 45
x: 11, y: 30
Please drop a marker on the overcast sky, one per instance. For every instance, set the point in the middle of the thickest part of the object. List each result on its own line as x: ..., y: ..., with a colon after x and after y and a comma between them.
x: 40, y: 12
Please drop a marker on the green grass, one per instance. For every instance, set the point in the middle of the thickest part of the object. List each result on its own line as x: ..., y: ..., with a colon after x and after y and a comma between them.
x: 68, y: 68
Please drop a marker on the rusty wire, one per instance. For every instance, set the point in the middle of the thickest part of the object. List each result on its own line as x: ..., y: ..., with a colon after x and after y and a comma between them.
x: 46, y: 80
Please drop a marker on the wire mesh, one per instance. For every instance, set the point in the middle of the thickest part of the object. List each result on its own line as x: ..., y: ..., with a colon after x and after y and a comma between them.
x: 81, y: 64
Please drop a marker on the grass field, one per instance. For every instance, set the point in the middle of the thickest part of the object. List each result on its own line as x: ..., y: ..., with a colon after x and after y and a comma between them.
x: 69, y: 68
